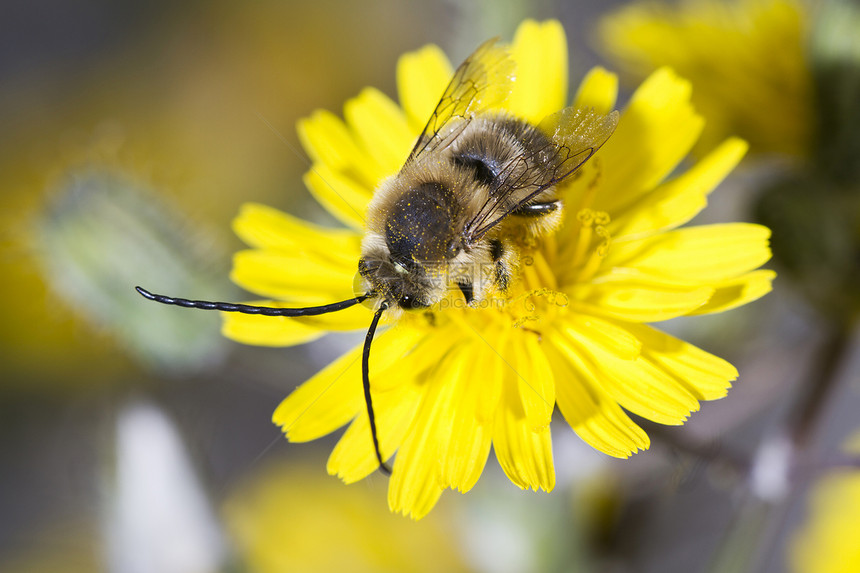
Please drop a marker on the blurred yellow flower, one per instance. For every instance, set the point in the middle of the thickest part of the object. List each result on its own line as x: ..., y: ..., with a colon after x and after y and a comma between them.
x: 450, y: 383
x: 287, y: 519
x: 747, y: 61
x: 827, y: 543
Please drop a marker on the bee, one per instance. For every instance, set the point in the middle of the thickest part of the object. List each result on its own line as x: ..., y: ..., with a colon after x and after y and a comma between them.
x: 444, y: 222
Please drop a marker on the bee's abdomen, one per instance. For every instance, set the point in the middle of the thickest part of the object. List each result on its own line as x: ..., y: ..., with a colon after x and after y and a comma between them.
x: 485, y: 169
x: 419, y: 226
x: 493, y: 142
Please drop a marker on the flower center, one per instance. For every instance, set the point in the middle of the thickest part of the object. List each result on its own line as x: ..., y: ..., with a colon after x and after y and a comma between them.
x: 591, y: 243
x: 549, y: 265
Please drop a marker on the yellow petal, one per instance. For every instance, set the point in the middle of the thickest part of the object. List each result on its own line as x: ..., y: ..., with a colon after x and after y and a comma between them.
x: 533, y: 377
x: 656, y: 131
x: 705, y: 253
x: 598, y: 90
x: 468, y: 407
x: 292, y: 277
x: 524, y: 454
x: 466, y: 453
x: 609, y: 334
x: 335, y: 395
x: 489, y: 348
x: 421, y: 79
x: 354, y: 458
x: 706, y: 376
x: 631, y: 296
x: 593, y: 415
x: 677, y: 201
x: 419, y: 497
x: 341, y: 196
x: 736, y: 292
x: 464, y: 461
x: 427, y: 349
x: 395, y: 392
x: 415, y: 482
x: 638, y: 385
x: 382, y: 129
x: 396, y: 348
x: 329, y: 142
x: 324, y: 403
x: 540, y: 52
x: 263, y: 227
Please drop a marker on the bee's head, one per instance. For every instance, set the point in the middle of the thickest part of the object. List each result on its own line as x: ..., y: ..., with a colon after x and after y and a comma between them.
x: 401, y: 283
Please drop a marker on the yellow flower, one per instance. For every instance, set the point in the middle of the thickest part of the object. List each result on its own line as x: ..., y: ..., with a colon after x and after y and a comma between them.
x: 287, y: 519
x: 827, y: 543
x: 449, y: 384
x: 747, y: 60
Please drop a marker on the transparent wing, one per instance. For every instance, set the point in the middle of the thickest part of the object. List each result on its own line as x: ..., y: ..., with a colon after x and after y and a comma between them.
x: 481, y: 82
x: 575, y: 135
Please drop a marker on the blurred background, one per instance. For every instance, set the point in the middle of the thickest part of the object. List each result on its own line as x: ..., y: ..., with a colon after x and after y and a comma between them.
x: 134, y: 438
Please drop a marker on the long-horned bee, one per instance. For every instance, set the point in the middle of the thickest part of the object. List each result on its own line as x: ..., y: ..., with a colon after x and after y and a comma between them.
x: 442, y: 224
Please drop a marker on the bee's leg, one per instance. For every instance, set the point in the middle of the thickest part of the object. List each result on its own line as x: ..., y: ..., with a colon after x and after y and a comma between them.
x: 467, y: 289
x: 502, y: 274
x: 539, y: 217
x: 537, y: 209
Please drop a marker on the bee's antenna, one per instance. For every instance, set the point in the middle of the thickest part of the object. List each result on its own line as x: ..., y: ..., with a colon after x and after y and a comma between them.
x: 365, y: 378
x: 249, y: 309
